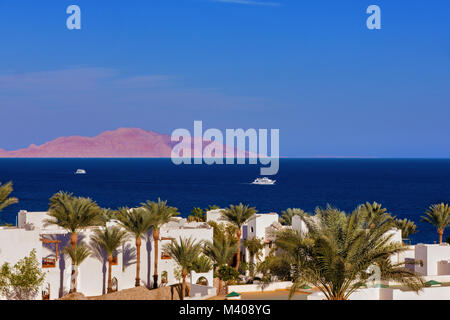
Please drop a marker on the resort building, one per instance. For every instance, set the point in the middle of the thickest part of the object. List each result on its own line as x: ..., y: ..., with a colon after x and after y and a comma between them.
x: 48, y: 241
x: 261, y: 226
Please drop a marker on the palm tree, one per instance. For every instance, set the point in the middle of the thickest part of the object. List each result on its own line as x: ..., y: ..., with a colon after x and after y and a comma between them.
x: 238, y: 215
x: 202, y: 264
x: 439, y: 216
x: 77, y: 255
x: 407, y: 227
x: 160, y: 214
x: 288, y: 214
x: 221, y: 251
x: 254, y: 247
x: 110, y: 238
x: 5, y: 199
x: 73, y: 213
x: 373, y: 212
x: 336, y: 253
x: 197, y: 215
x: 184, y: 252
x: 137, y: 222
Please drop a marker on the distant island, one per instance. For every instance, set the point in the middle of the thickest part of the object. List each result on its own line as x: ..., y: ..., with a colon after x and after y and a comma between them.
x: 123, y: 142
x: 119, y: 143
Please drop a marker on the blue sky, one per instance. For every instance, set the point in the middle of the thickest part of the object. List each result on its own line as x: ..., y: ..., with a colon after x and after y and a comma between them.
x: 310, y: 68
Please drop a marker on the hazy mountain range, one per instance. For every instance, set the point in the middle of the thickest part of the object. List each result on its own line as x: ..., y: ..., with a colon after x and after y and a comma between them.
x: 123, y: 142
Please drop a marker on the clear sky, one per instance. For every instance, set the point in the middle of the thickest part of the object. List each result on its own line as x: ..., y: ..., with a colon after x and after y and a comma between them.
x: 308, y: 67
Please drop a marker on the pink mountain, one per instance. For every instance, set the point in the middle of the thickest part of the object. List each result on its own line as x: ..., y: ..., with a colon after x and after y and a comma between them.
x: 123, y: 142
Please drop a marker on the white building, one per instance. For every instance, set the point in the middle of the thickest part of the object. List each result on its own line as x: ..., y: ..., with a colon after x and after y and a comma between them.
x: 48, y: 241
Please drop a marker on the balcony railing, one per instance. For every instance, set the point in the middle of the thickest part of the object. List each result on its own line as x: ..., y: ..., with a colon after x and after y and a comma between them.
x: 48, y: 262
x: 165, y: 256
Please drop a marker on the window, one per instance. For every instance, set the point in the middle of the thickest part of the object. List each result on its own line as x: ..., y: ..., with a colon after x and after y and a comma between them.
x: 48, y: 262
x: 165, y: 256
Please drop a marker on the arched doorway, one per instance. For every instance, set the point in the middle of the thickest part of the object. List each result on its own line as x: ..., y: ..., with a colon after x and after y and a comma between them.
x: 202, y: 281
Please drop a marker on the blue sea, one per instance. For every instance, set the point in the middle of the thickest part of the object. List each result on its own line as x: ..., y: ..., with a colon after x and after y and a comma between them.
x: 405, y: 187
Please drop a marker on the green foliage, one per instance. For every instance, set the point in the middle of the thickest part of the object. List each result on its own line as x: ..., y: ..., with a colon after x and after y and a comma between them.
x: 288, y: 214
x: 136, y: 221
x: 73, y: 213
x: 337, y: 251
x: 221, y: 250
x: 160, y: 213
x: 238, y: 215
x: 372, y: 213
x: 197, y: 215
x: 276, y: 266
x: 7, y: 225
x: 224, y: 232
x: 23, y: 281
x: 227, y: 273
x: 254, y: 247
x: 110, y: 238
x: 77, y: 254
x: 439, y: 216
x: 408, y: 227
x: 5, y: 200
x: 185, y: 252
x: 202, y: 264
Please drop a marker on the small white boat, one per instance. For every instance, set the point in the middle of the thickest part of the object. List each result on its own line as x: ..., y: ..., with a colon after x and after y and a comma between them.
x: 264, y: 180
x: 80, y: 171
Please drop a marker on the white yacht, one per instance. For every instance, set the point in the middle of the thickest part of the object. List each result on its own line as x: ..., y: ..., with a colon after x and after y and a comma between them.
x: 80, y: 171
x: 264, y: 180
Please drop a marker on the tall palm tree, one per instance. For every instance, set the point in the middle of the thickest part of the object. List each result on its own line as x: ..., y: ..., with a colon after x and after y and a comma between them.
x: 184, y: 252
x: 221, y: 250
x: 138, y: 223
x: 5, y: 200
x: 336, y: 253
x: 238, y: 215
x: 73, y: 213
x: 407, y: 227
x: 254, y: 247
x: 110, y: 239
x: 288, y: 214
x: 439, y: 216
x: 160, y: 214
x: 77, y: 255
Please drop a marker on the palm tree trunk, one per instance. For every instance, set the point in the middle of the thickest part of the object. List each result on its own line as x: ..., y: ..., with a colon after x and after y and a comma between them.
x: 238, y: 255
x: 441, y: 233
x: 183, y: 284
x: 155, y: 273
x: 109, y: 289
x: 138, y: 261
x: 73, y: 280
x: 73, y: 239
x: 220, y: 287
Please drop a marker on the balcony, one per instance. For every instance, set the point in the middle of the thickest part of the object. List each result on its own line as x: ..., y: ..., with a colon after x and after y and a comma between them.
x: 48, y: 262
x: 165, y: 256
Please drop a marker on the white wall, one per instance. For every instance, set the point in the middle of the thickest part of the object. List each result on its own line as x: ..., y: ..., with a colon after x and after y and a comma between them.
x: 16, y: 243
x: 431, y: 256
x: 259, y: 288
x: 431, y: 293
